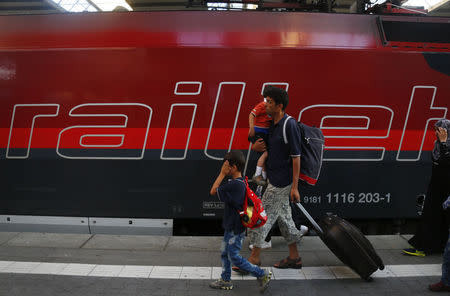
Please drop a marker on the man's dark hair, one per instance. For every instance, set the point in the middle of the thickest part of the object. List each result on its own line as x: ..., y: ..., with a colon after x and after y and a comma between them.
x: 279, y: 95
x: 236, y: 157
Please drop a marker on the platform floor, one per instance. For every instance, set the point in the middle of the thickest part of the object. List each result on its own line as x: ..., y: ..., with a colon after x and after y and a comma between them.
x: 83, y: 264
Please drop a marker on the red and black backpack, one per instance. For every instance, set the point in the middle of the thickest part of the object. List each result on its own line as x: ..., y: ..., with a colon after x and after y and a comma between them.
x: 252, y: 214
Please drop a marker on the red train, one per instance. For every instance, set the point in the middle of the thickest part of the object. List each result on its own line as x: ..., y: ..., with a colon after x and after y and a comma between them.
x: 129, y: 114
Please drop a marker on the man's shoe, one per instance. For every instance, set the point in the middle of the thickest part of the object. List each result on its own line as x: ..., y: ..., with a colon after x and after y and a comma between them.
x: 439, y: 287
x: 221, y: 284
x: 265, y: 245
x: 303, y: 230
x: 413, y: 252
x: 264, y: 281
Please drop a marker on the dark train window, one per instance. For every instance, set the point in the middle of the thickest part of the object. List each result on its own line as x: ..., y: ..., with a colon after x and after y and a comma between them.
x: 416, y: 32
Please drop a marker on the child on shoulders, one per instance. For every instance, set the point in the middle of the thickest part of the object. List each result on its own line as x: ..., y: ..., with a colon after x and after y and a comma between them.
x: 259, y: 123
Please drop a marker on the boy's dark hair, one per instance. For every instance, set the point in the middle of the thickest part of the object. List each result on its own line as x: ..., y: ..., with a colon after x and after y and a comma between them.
x: 236, y: 157
x: 279, y: 95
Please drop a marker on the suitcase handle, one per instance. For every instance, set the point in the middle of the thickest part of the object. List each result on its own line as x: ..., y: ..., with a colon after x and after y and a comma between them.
x: 315, y: 225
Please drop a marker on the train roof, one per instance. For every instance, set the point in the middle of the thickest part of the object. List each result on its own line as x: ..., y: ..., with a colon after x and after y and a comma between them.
x: 224, y: 29
x: 437, y: 8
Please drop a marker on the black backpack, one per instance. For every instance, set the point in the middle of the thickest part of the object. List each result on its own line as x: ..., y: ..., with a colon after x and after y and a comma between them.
x: 312, y: 143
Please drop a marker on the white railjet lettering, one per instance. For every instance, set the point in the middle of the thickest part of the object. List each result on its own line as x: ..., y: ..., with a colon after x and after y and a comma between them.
x: 227, y: 97
x: 421, y: 111
x: 131, y: 114
x: 351, y: 122
x: 26, y: 113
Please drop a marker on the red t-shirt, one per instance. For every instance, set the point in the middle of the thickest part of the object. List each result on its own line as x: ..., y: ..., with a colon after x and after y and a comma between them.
x: 261, y: 117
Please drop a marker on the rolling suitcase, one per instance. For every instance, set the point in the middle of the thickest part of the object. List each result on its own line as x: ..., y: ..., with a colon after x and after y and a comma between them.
x: 348, y: 244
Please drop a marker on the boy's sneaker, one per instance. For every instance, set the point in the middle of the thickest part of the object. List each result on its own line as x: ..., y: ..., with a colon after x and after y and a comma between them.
x: 265, y: 245
x: 264, y: 281
x: 221, y: 284
x: 413, y: 252
x: 439, y: 287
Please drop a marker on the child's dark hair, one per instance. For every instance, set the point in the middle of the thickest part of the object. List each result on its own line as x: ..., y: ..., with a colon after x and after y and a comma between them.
x: 236, y: 157
x: 279, y: 95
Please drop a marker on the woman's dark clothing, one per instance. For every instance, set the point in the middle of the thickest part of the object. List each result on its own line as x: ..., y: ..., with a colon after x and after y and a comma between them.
x: 432, y: 232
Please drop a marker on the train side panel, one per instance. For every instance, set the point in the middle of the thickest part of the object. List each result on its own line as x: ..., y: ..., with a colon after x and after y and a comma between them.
x: 135, y: 125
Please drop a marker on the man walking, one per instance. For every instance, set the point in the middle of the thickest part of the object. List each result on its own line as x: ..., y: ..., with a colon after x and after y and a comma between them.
x: 283, y: 168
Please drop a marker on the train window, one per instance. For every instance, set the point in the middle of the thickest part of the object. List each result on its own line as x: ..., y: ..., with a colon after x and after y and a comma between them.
x: 416, y: 32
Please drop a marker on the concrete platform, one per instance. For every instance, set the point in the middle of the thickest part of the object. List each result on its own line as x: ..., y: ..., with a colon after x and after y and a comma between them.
x: 80, y: 264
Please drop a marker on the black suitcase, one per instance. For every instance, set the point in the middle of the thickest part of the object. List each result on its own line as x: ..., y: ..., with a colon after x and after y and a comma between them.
x: 348, y: 244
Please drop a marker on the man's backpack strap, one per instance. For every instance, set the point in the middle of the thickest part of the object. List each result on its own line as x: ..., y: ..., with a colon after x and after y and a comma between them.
x: 284, y: 129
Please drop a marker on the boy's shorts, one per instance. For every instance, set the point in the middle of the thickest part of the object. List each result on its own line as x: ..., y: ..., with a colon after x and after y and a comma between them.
x: 260, y: 133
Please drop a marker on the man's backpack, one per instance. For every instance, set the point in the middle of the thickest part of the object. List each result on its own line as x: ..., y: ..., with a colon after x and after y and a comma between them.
x: 312, y: 143
x: 252, y: 214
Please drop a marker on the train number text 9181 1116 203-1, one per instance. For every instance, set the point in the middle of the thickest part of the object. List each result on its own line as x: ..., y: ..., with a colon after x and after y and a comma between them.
x: 349, y: 198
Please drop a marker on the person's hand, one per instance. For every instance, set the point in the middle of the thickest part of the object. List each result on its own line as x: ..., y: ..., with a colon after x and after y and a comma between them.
x: 295, y: 195
x: 259, y: 146
x: 251, y: 133
x: 441, y: 134
x: 226, y: 168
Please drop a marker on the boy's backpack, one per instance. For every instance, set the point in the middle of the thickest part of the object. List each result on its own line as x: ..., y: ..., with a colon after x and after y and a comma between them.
x: 312, y: 144
x: 252, y: 214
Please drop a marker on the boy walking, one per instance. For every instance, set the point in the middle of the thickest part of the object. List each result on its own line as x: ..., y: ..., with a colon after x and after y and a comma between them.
x: 232, y: 193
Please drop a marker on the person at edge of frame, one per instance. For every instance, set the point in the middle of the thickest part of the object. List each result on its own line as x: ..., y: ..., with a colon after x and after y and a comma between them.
x: 444, y: 284
x: 432, y: 232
